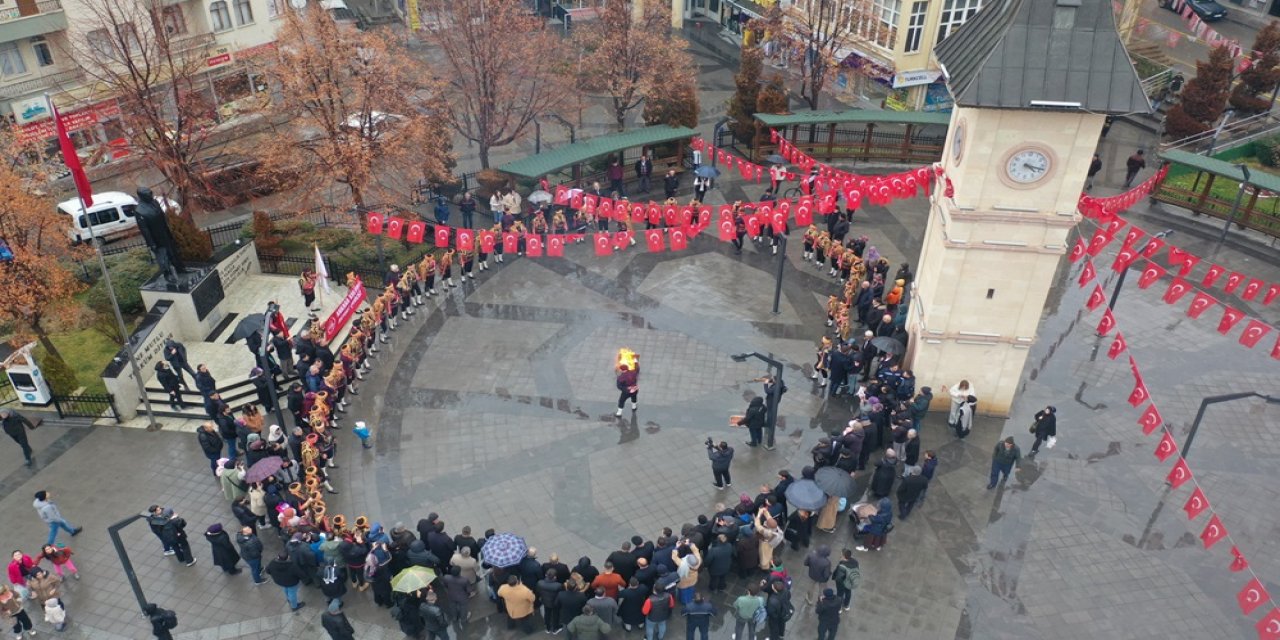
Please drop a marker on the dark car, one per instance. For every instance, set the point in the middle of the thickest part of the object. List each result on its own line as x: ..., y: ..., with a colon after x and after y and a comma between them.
x: 1208, y: 10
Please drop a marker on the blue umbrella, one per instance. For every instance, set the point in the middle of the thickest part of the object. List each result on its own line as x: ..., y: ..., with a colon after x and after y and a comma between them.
x: 806, y: 494
x: 504, y: 550
x: 706, y: 171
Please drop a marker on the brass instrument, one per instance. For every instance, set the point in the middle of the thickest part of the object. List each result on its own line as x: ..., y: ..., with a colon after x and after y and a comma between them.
x: 362, y: 524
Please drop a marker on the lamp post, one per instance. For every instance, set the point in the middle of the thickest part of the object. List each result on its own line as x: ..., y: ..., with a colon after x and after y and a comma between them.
x: 715, y: 137
x: 272, y: 309
x: 1115, y: 293
x: 775, y: 392
x: 782, y: 261
x: 1204, y: 405
x: 1234, y: 207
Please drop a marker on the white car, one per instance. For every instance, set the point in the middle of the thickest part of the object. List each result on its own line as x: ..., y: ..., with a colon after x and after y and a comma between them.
x: 112, y: 215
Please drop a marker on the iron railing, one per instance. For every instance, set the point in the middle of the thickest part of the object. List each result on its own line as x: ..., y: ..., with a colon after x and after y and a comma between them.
x: 86, y: 405
x: 7, y: 392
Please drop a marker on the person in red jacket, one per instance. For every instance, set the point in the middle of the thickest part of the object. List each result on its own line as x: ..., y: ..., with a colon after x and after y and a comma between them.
x: 628, y: 385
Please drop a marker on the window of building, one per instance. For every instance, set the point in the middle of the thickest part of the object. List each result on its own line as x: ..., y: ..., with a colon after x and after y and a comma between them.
x: 11, y: 63
x: 244, y: 12
x: 220, y: 16
x: 275, y: 9
x: 40, y: 47
x: 915, y: 28
x: 954, y: 14
x: 172, y: 20
x: 884, y: 13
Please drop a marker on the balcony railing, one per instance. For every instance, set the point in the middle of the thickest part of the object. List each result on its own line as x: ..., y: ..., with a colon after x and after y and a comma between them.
x: 43, y: 6
x: 58, y: 79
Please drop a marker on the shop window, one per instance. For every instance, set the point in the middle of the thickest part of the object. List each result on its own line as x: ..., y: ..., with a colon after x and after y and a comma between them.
x: 915, y: 28
x: 244, y: 12
x: 11, y: 63
x: 954, y: 14
x: 43, y: 54
x: 220, y: 16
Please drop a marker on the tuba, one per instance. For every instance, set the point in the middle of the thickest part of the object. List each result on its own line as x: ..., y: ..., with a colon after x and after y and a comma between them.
x: 362, y: 524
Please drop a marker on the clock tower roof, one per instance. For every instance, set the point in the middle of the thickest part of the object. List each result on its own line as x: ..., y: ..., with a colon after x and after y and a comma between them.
x: 1023, y: 54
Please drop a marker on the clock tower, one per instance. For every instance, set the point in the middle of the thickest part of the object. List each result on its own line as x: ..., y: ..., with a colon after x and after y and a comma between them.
x: 1033, y: 81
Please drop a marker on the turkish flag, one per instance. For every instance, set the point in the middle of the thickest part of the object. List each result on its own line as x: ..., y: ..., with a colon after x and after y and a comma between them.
x: 950, y: 190
x: 71, y: 159
x: 1188, y: 264
x: 1096, y: 298
x: 726, y: 211
x: 654, y: 215
x: 653, y: 238
x: 1100, y: 240
x: 1229, y: 319
x: 555, y: 246
x: 804, y: 215
x: 510, y: 242
x: 1179, y: 474
x: 575, y: 202
x: 1133, y: 235
x: 603, y: 243
x: 852, y: 199
x: 1150, y: 419
x: 1253, y: 332
x: 1124, y: 258
x: 753, y: 225
x: 1252, y: 596
x: 1233, y: 281
x: 416, y: 230
x: 684, y: 215
x: 1176, y: 290
x: 395, y: 227
x: 679, y: 238
x: 1087, y: 273
x: 765, y: 210
x: 374, y: 223
x: 1077, y: 250
x: 1238, y: 563
x: 1268, y: 626
x: 605, y: 209
x: 1150, y: 274
x: 1196, y: 504
x: 1106, y: 324
x: 621, y: 239
x: 1199, y: 303
x: 1153, y: 245
x: 1177, y: 255
x: 779, y: 222
x: 637, y: 213
x: 591, y: 202
x: 1139, y: 394
x: 726, y: 230
x: 1166, y: 448
x: 1272, y: 292
x: 533, y: 245
x: 1212, y: 275
x: 487, y: 240
x: 466, y: 239
x: 1118, y: 346
x: 562, y: 195
x: 1252, y: 289
x: 1214, y: 531
x: 442, y: 236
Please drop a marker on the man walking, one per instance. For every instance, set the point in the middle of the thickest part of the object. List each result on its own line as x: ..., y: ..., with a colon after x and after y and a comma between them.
x: 746, y: 612
x: 828, y: 611
x: 175, y: 353
x: 336, y: 623
x: 155, y: 520
x: 721, y: 456
x: 251, y: 551
x: 14, y: 424
x: 171, y: 383
x: 698, y: 617
x: 847, y: 576
x: 628, y: 383
x: 778, y: 609
x: 1094, y: 167
x: 819, y: 564
x: 1003, y: 460
x: 1136, y: 162
x: 175, y: 537
x: 286, y: 574
x: 910, y: 490
x: 52, y: 516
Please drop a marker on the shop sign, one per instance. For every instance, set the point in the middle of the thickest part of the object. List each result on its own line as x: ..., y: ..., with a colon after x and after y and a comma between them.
x: 30, y: 110
x: 913, y: 78
x: 73, y: 121
x: 220, y: 58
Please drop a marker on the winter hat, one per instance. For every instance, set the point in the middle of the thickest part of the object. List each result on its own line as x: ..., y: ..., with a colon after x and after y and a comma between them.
x: 828, y: 593
x: 215, y: 528
x: 926, y: 390
x: 253, y: 437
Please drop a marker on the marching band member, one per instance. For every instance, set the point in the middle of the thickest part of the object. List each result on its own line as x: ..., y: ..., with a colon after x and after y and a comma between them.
x: 468, y: 258
x: 444, y: 268
x: 810, y: 237
x: 427, y: 272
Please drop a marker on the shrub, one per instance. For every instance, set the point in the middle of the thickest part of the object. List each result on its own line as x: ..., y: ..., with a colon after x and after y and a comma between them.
x: 1204, y: 98
x: 129, y: 271
x: 60, y: 376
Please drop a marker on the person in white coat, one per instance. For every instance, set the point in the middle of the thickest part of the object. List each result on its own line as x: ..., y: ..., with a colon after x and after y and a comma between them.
x: 959, y: 394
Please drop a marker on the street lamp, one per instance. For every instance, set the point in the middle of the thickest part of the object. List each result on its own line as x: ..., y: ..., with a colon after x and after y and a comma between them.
x: 1204, y: 404
x: 1115, y: 293
x: 272, y: 310
x: 1234, y: 207
x: 775, y: 392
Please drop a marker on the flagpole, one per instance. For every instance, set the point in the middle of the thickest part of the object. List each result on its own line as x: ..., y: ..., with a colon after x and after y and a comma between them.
x: 111, y: 294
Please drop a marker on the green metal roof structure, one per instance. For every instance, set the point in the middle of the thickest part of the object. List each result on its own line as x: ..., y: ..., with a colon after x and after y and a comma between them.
x: 1259, y: 179
x: 853, y: 115
x: 579, y: 152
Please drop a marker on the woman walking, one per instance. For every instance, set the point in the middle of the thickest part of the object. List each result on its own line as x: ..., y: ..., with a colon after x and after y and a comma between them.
x: 1045, y: 427
x: 224, y: 553
x: 59, y: 558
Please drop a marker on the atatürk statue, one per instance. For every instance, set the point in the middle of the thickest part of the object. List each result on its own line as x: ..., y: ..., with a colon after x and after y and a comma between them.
x: 155, y: 230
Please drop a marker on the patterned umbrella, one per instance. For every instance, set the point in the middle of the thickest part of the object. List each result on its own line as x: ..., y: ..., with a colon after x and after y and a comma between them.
x: 504, y: 550
x: 263, y: 469
x: 806, y: 494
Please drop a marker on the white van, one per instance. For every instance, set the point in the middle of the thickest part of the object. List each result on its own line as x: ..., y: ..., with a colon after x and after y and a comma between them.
x: 112, y: 215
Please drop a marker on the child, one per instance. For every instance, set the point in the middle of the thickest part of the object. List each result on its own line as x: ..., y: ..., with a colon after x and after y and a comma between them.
x: 55, y: 614
x: 59, y: 557
x: 362, y: 431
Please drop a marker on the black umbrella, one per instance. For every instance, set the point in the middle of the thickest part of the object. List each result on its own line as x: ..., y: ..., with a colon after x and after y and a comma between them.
x: 806, y: 494
x: 707, y: 171
x: 835, y: 481
x: 248, y: 326
x: 775, y: 159
x: 888, y: 345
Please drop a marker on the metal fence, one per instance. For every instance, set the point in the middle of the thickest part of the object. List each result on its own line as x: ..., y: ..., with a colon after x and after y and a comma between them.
x: 294, y: 265
x: 7, y: 392
x: 87, y: 405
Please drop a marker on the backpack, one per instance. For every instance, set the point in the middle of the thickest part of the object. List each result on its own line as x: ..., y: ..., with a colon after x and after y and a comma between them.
x: 848, y: 577
x: 790, y: 611
x: 760, y: 615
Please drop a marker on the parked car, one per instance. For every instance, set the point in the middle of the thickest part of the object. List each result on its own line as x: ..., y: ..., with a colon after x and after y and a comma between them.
x: 1208, y: 10
x: 233, y: 179
x: 111, y: 216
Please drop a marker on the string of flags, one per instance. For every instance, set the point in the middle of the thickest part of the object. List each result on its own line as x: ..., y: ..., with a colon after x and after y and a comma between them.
x: 1253, y: 595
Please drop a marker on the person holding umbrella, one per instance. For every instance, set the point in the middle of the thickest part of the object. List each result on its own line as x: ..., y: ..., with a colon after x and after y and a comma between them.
x: 836, y: 483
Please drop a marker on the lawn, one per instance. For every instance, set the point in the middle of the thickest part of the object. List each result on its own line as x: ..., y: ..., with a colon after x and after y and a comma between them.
x: 87, y: 352
x: 1225, y: 188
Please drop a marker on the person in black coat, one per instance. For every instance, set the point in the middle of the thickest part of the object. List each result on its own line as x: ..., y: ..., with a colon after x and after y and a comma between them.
x: 554, y: 564
x: 336, y: 623
x: 569, y: 603
x: 284, y: 351
x: 910, y: 490
x: 828, y: 610
x: 721, y: 456
x: 171, y: 383
x: 175, y: 537
x: 840, y: 364
x: 642, y: 548
x: 1046, y: 426
x: 631, y: 604
x: 333, y: 581
x: 530, y: 570
x: 205, y: 382
x: 440, y: 544
x: 719, y: 562
x: 163, y: 621
x: 285, y: 574
x: 406, y: 614
x: 754, y: 420
x: 175, y: 353
x: 624, y: 562
x: 911, y: 450
x: 883, y: 477
x: 548, y: 591
x: 590, y: 573
x: 262, y: 386
x: 224, y: 553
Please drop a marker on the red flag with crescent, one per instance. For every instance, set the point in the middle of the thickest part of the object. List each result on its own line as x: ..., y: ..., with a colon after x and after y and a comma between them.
x: 605, y: 209
x: 1176, y: 290
x: 779, y: 222
x: 555, y: 246
x: 415, y: 231
x: 621, y: 239
x: 753, y: 225
x: 1200, y: 303
x: 1268, y: 626
x: 1211, y: 276
x: 466, y: 239
x: 1233, y: 282
x: 1272, y: 292
x: 1124, y: 258
x: 1177, y: 255
x: 1188, y: 264
x: 1099, y: 241
x: 1118, y: 346
x: 442, y: 236
x: 510, y: 243
x: 1253, y: 332
x: 1166, y: 448
x: 1153, y: 245
x: 1150, y: 419
x: 1077, y: 250
x: 1087, y: 273
x: 374, y: 223
x: 1238, y: 563
x: 1133, y: 235
x: 1106, y: 324
x: 1196, y: 504
x: 395, y: 227
x: 533, y: 245
x: 804, y: 215
x: 1179, y: 474
x: 1139, y: 394
x: 1214, y: 531
x: 653, y: 238
x: 1230, y: 317
x: 1252, y: 289
x: 603, y: 243
x: 726, y: 230
x: 638, y: 213
x: 1252, y: 596
x: 679, y: 238
x: 1097, y: 298
x: 487, y: 240
x: 1150, y: 274
x: 562, y: 195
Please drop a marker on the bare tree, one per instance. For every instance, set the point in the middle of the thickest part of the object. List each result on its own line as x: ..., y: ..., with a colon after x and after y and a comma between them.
x: 822, y: 30
x: 357, y: 111
x: 137, y: 51
x: 503, y: 66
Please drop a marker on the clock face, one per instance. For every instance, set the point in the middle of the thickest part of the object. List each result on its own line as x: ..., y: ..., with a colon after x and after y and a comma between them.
x: 1027, y: 166
x: 957, y: 142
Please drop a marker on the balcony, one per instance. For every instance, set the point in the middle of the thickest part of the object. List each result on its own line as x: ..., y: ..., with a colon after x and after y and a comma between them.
x: 58, y: 80
x: 30, y: 18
